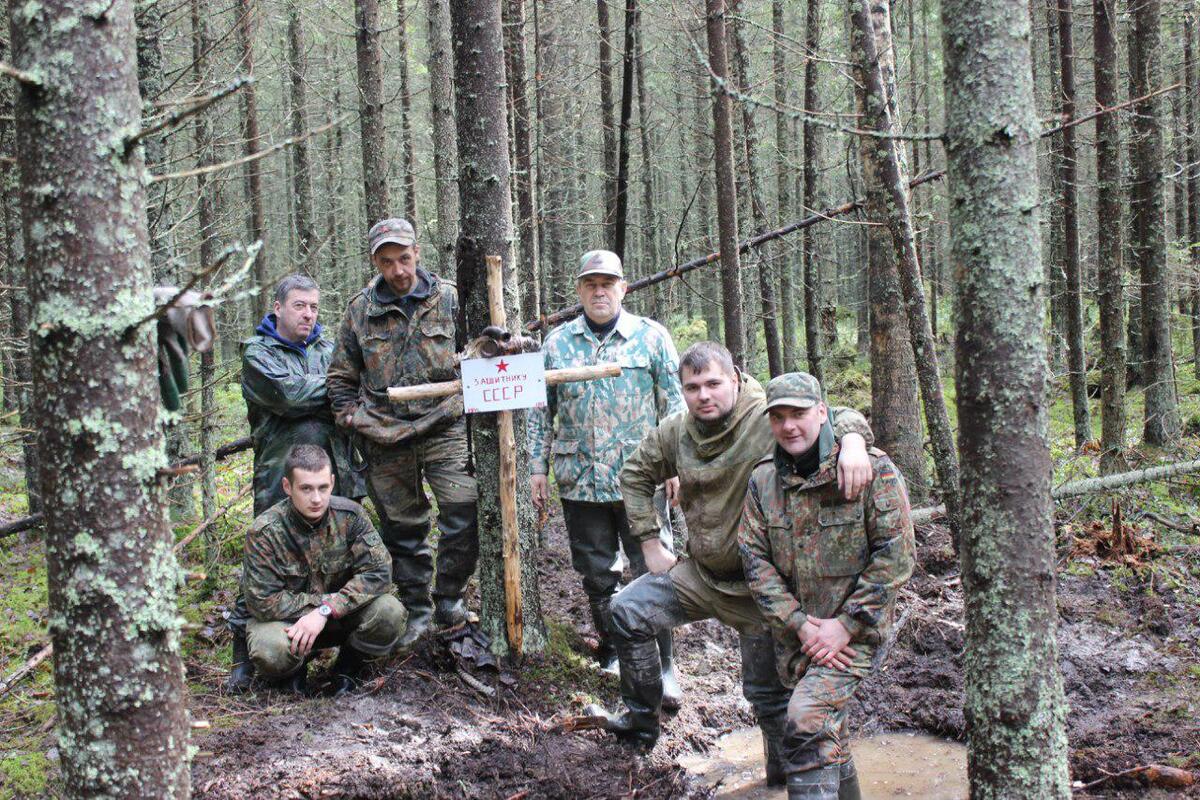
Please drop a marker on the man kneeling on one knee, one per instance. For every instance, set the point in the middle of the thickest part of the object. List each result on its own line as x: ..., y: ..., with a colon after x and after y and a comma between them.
x: 825, y: 572
x: 317, y: 575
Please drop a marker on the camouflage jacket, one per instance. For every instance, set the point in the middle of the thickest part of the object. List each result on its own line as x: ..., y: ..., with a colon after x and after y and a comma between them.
x: 292, y: 566
x: 591, y: 427
x: 808, y: 550
x: 401, y: 343
x: 286, y: 403
x: 713, y: 463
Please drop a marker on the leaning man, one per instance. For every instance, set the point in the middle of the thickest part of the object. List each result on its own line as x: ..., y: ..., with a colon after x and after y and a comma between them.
x: 316, y: 575
x: 825, y: 572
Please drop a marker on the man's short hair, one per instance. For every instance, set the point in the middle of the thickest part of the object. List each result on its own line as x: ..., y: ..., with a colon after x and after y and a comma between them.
x: 308, y: 457
x: 293, y: 283
x: 701, y: 354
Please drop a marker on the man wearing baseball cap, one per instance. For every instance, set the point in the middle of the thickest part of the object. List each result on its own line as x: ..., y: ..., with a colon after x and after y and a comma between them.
x: 398, y: 331
x: 588, y: 429
x: 825, y: 571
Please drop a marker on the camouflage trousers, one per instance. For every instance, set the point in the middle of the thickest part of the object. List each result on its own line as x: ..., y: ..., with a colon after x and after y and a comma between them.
x: 395, y: 478
x: 817, y: 734
x: 653, y: 604
x: 373, y: 629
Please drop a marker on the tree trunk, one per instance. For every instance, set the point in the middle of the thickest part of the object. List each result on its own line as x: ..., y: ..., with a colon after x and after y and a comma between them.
x: 758, y: 214
x: 553, y: 133
x: 709, y: 285
x: 528, y: 269
x: 370, y: 110
x: 607, y: 128
x: 895, y: 406
x: 1015, y: 711
x: 306, y: 233
x: 1162, y: 424
x: 256, y: 230
x: 813, y: 285
x: 486, y: 229
x: 727, y: 219
x: 1192, y: 87
x: 445, y: 139
x: 1055, y: 254
x: 621, y: 191
x: 652, y: 224
x: 1109, y: 269
x: 118, y: 675
x: 408, y: 165
x: 1073, y: 299
x: 783, y: 181
x: 882, y: 164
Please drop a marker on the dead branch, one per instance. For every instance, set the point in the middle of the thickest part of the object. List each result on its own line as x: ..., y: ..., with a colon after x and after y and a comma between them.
x: 25, y: 669
x: 20, y: 75
x: 203, y: 526
x: 21, y: 524
x: 176, y: 117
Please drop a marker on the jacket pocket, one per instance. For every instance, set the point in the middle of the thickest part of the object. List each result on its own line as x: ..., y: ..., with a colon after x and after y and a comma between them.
x: 840, y: 546
x: 568, y: 465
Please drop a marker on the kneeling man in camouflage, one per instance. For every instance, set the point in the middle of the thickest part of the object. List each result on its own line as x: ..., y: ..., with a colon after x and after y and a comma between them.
x: 316, y: 575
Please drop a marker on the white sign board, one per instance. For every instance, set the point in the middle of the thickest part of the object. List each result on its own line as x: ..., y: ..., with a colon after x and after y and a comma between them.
x: 504, y: 383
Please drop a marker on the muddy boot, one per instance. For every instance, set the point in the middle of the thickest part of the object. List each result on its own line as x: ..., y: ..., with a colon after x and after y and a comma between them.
x: 296, y: 683
x: 347, y: 672
x: 449, y: 612
x: 773, y: 753
x: 412, y: 588
x: 814, y: 784
x: 848, y: 782
x: 672, y: 695
x: 636, y: 727
x: 606, y: 653
x: 241, y: 677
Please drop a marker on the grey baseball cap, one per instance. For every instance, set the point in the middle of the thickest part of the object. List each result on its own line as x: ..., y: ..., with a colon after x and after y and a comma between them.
x: 600, y: 262
x: 796, y: 389
x: 391, y: 231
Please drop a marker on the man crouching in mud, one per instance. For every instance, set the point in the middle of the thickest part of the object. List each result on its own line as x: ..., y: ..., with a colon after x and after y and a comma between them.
x: 825, y: 572
x: 712, y: 448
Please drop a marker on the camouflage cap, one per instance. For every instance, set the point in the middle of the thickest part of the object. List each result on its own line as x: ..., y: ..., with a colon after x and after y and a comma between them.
x: 600, y: 262
x: 391, y: 231
x: 796, y: 389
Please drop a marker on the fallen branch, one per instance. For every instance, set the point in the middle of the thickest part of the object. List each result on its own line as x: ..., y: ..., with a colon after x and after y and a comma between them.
x: 1153, y: 774
x: 25, y: 669
x: 476, y: 684
x: 21, y: 524
x: 1089, y: 485
x: 203, y: 526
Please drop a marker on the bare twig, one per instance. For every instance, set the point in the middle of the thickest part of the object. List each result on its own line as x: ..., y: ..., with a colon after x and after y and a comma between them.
x: 25, y: 669
x: 176, y: 117
x: 203, y: 526
x: 20, y: 75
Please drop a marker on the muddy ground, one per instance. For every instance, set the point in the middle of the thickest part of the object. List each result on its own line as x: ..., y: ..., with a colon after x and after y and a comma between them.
x: 1130, y: 659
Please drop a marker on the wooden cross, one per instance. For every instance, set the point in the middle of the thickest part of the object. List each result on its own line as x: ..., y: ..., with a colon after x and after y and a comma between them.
x: 508, y: 449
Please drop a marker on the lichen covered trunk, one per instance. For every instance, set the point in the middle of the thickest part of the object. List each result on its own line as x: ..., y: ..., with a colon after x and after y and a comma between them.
x: 1014, y: 707
x: 370, y: 110
x: 445, y: 140
x: 529, y: 268
x: 112, y: 577
x: 813, y: 285
x: 306, y: 232
x: 485, y: 202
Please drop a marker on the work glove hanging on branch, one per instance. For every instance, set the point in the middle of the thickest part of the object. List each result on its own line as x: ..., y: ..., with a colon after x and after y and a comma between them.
x: 186, y: 323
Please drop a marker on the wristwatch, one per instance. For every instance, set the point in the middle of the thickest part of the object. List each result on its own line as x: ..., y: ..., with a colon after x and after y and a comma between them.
x: 325, y: 610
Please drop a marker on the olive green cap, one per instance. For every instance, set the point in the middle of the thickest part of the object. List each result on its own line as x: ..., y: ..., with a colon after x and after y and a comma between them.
x: 796, y: 389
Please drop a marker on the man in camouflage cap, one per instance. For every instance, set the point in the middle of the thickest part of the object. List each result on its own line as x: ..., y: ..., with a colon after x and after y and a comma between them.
x: 315, y: 575
x: 400, y: 331
x: 589, y: 428
x: 825, y: 571
x: 712, y: 448
x: 283, y: 383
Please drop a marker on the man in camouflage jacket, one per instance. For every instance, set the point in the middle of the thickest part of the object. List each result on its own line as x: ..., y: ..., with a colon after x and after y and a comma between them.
x: 283, y: 383
x: 825, y: 572
x: 589, y: 428
x: 315, y: 574
x: 400, y: 331
x: 712, y: 448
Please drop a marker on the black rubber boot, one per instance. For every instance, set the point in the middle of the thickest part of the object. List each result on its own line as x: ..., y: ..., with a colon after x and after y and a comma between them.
x: 241, y: 676
x: 457, y: 548
x: 773, y: 753
x: 672, y: 695
x: 347, y: 671
x: 814, y: 784
x: 606, y: 652
x: 639, y: 728
x: 296, y: 683
x: 848, y: 782
x: 449, y: 612
x: 412, y: 588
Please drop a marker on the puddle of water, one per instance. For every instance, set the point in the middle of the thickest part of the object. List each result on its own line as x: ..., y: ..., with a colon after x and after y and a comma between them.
x: 890, y: 766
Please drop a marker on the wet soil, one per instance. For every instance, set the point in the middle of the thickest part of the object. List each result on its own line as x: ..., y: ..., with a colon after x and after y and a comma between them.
x: 1130, y: 660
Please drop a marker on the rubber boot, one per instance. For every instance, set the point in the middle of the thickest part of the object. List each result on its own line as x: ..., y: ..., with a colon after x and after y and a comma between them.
x: 457, y: 549
x: 449, y: 612
x: 814, y: 784
x: 848, y: 782
x: 672, y: 695
x: 347, y: 671
x: 773, y: 753
x: 241, y: 677
x: 412, y: 587
x: 606, y: 652
x: 637, y: 727
x: 296, y: 683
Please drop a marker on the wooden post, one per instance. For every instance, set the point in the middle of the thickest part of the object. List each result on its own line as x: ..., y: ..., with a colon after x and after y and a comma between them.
x: 508, y: 478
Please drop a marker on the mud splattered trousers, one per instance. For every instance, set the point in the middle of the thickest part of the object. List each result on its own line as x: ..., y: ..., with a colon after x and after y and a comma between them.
x: 653, y: 604
x: 373, y: 629
x: 816, y: 734
x: 395, y: 476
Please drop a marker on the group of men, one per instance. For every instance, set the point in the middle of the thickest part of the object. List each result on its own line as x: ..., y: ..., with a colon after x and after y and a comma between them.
x: 799, y: 533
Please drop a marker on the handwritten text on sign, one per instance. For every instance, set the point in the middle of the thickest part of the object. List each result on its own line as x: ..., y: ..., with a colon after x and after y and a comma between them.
x: 504, y: 383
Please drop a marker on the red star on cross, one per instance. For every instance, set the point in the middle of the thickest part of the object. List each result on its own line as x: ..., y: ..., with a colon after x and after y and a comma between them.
x: 502, y: 366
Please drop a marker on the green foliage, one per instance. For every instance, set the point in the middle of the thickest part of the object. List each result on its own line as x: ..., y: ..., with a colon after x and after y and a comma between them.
x: 687, y: 332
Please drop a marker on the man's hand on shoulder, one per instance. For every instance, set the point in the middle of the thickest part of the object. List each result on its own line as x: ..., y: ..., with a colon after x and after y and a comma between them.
x: 827, y: 643
x: 304, y: 632
x: 854, y: 466
x: 672, y: 489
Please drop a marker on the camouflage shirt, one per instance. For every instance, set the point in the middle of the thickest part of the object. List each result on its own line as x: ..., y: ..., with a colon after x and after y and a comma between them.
x: 591, y: 427
x: 386, y: 341
x: 286, y: 403
x: 713, y: 462
x: 808, y: 550
x: 292, y: 566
